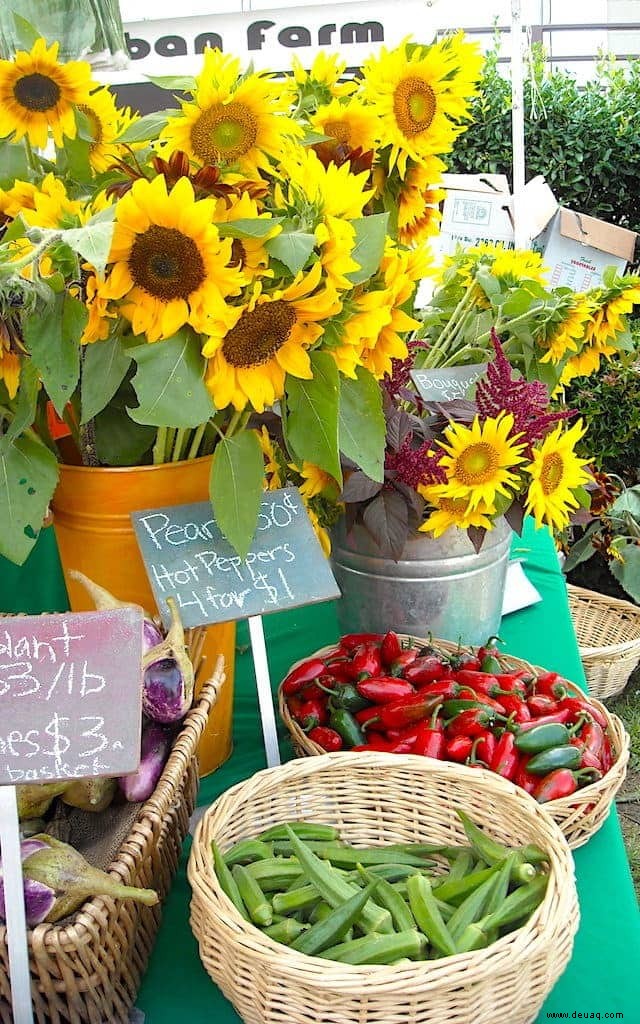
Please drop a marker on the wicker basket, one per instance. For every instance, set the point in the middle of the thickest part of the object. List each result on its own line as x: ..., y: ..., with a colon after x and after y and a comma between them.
x: 580, y: 815
x: 608, y: 632
x: 375, y: 799
x: 88, y: 969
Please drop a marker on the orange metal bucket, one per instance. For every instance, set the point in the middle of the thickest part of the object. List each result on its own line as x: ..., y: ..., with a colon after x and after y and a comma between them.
x: 91, y: 519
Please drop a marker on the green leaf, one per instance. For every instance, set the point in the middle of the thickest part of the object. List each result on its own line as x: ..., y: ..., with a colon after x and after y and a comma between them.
x: 235, y: 487
x: 120, y: 441
x: 146, y: 127
x: 517, y: 303
x: 313, y: 138
x: 582, y: 550
x: 628, y: 501
x: 28, y: 477
x: 25, y: 33
x: 13, y: 163
x: 76, y: 153
x: 92, y: 242
x: 183, y: 83
x: 25, y: 408
x: 54, y: 343
x: 361, y: 425
x: 293, y: 248
x: 312, y: 415
x: 169, y: 382
x: 371, y: 233
x: 246, y: 227
x: 104, y: 366
x: 627, y: 572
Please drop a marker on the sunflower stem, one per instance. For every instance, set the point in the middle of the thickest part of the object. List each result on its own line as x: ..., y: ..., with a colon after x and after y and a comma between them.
x: 31, y: 157
x: 233, y: 425
x: 439, y: 347
x: 159, y: 446
x: 196, y: 441
x: 168, y: 445
x: 179, y: 443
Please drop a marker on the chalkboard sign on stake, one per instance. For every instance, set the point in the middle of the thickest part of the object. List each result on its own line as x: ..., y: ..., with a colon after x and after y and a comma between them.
x: 187, y: 557
x: 70, y: 708
x: 446, y: 384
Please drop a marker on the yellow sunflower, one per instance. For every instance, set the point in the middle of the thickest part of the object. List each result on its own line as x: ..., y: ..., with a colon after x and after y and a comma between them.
x: 614, y: 303
x: 479, y: 459
x: 98, y: 326
x: 556, y: 471
x: 511, y: 265
x: 418, y: 214
x: 9, y: 362
x: 314, y: 480
x: 272, y: 480
x: 361, y: 319
x: 247, y: 253
x: 17, y: 199
x: 106, y: 123
x: 570, y: 333
x: 421, y: 96
x: 266, y: 339
x: 51, y: 207
x: 352, y: 124
x: 324, y: 75
x: 169, y: 265
x: 320, y: 532
x: 449, y: 511
x: 38, y: 95
x: 233, y: 120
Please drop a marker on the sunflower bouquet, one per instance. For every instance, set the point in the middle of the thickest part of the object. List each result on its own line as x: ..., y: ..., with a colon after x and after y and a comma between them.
x: 172, y: 284
x: 550, y: 334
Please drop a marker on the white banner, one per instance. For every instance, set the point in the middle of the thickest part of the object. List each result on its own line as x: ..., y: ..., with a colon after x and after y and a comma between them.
x: 270, y: 38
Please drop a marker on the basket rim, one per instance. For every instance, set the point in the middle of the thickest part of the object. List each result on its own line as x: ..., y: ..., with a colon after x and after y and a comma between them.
x: 525, y: 939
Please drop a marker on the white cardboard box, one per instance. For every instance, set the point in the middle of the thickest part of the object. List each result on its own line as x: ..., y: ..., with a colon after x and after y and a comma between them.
x: 476, y: 209
x: 578, y: 249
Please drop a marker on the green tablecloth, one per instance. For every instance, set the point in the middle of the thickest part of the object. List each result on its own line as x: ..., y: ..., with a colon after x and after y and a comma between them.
x: 601, y: 978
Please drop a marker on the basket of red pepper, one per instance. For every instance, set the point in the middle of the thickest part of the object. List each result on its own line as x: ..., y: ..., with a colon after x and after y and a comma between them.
x: 393, y: 693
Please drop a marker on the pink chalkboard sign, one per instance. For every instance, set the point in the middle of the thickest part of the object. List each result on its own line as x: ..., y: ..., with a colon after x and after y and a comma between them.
x: 70, y: 695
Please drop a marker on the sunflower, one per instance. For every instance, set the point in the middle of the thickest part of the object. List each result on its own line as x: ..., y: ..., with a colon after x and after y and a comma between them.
x: 361, y: 319
x: 421, y: 96
x: 98, y: 326
x: 169, y: 265
x: 50, y: 206
x: 418, y: 214
x: 106, y: 123
x: 314, y: 480
x: 38, y: 95
x: 556, y: 472
x: 323, y: 535
x: 323, y: 78
x: 272, y: 468
x: 513, y: 266
x: 569, y: 334
x: 247, y: 253
x: 234, y: 120
x: 352, y: 124
x: 613, y: 303
x: 449, y: 511
x: 265, y: 339
x: 9, y: 361
x: 478, y: 459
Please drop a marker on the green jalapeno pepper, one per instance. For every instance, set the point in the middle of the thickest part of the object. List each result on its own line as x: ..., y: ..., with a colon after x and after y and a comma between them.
x: 554, y: 757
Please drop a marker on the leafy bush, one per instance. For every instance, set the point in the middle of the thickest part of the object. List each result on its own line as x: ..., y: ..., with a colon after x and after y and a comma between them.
x: 584, y: 140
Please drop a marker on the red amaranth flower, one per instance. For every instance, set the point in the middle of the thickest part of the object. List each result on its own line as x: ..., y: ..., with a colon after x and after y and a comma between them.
x: 416, y: 466
x: 527, y: 401
x: 400, y: 376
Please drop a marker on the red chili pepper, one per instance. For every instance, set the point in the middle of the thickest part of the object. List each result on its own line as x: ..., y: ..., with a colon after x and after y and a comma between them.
x: 459, y: 748
x: 350, y: 641
x: 409, y: 732
x: 405, y: 658
x: 464, y: 660
x: 430, y: 741
x: 366, y: 662
x: 551, y: 684
x: 481, y: 682
x: 523, y: 778
x: 516, y: 708
x: 312, y: 713
x: 473, y: 722
x: 391, y: 648
x: 425, y: 670
x: 489, y: 648
x: 505, y: 760
x: 576, y: 705
x: 485, y: 747
x: 303, y: 674
x: 402, y: 746
x: 559, y: 716
x: 541, y: 704
x: 382, y: 689
x: 593, y: 737
x: 561, y: 782
x: 446, y: 689
x: 312, y: 691
x: 366, y: 715
x: 607, y: 755
x: 326, y: 738
x: 588, y: 759
x: 406, y: 710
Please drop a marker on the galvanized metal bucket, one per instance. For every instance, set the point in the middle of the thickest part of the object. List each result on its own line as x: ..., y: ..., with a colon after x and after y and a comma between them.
x: 438, y: 586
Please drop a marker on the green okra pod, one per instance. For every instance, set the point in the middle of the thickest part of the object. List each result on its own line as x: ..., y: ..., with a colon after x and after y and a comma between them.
x: 462, y: 865
x: 335, y: 926
x: 428, y: 917
x: 286, y: 931
x: 378, y: 949
x: 275, y: 873
x: 519, y: 904
x: 388, y: 897
x: 303, y: 829
x: 456, y: 890
x: 247, y: 850
x: 227, y: 881
x: 295, y: 899
x: 471, y: 909
x: 351, y: 856
x: 473, y: 937
x: 254, y: 899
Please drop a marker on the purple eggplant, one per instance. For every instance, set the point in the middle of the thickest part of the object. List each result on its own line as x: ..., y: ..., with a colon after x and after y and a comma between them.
x: 103, y: 600
x: 167, y: 690
x: 39, y: 898
x: 156, y: 744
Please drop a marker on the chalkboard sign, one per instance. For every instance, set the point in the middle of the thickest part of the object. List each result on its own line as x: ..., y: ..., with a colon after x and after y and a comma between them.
x: 448, y: 383
x: 187, y: 557
x: 70, y: 695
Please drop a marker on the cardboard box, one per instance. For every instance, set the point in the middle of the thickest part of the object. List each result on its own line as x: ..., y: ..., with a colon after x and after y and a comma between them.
x: 578, y: 249
x: 476, y: 209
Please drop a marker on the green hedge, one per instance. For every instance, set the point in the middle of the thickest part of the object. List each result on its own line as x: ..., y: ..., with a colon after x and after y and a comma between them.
x: 585, y: 141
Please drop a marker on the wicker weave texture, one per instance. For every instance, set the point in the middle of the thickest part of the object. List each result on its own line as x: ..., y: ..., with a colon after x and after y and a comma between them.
x: 608, y: 632
x: 377, y: 799
x: 580, y: 815
x: 88, y: 970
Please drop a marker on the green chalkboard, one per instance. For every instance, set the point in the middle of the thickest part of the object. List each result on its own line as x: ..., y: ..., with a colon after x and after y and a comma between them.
x: 187, y: 558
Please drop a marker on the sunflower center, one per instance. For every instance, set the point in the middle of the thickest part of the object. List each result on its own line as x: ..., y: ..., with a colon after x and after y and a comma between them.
x: 224, y: 132
x: 551, y: 474
x: 477, y: 464
x: 166, y: 263
x: 95, y: 124
x: 337, y: 130
x: 414, y: 105
x: 258, y: 335
x: 454, y: 506
x: 37, y: 92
